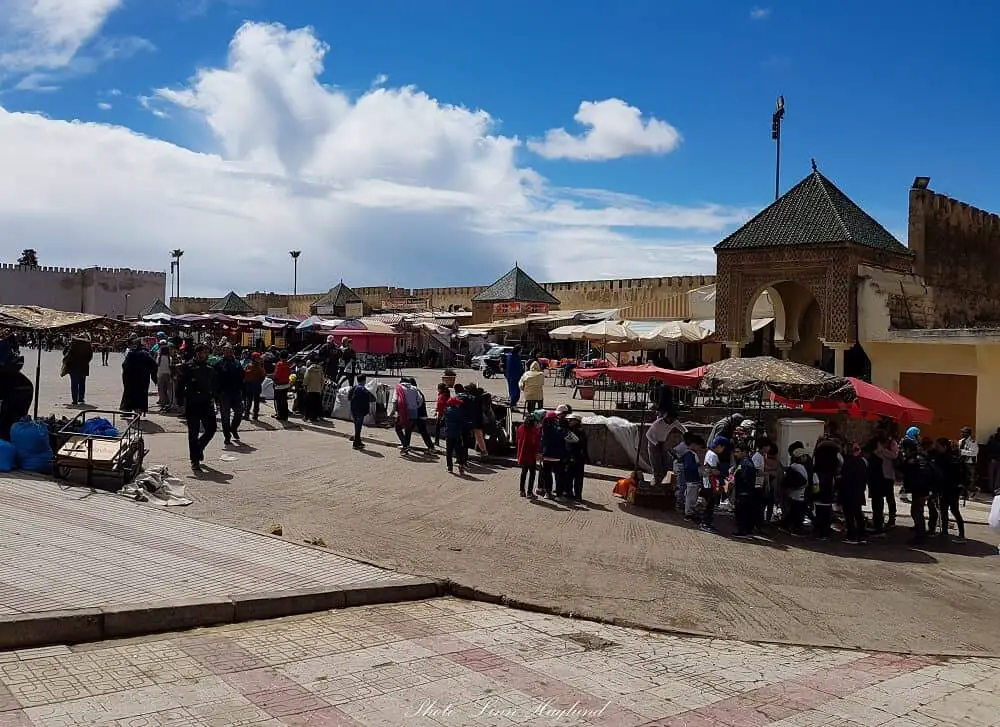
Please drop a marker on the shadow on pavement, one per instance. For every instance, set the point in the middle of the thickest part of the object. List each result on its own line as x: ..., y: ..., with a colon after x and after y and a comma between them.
x: 209, y: 474
x: 242, y: 448
x: 148, y: 426
x: 893, y: 549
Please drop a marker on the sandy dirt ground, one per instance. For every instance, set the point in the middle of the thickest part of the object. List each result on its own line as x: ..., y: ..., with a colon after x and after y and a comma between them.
x: 600, y: 558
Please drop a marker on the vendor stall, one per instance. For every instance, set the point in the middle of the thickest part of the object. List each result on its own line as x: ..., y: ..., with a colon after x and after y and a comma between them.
x: 43, y: 321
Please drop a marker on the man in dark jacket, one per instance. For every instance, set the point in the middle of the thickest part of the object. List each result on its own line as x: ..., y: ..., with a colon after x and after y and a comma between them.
x: 361, y: 403
x: 918, y: 478
x: 853, y: 480
x: 826, y: 464
x: 744, y: 491
x: 577, y: 456
x: 348, y: 360
x: 76, y: 364
x: 230, y: 385
x: 198, y: 384
x: 454, y: 428
x: 948, y: 480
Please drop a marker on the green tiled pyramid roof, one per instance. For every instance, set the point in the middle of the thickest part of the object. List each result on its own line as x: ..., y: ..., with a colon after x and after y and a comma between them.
x: 812, y: 212
x: 516, y: 285
x: 157, y: 306
x: 232, y: 304
x: 339, y: 295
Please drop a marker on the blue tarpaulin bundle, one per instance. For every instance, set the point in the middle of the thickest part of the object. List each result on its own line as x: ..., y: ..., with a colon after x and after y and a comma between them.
x: 99, y: 427
x: 31, y: 440
x: 8, y: 456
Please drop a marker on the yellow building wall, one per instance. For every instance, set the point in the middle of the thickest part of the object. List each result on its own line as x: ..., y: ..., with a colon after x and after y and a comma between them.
x: 889, y: 359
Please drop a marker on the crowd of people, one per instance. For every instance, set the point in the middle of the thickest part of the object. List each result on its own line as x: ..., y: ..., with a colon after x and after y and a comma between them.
x: 223, y: 383
x: 743, y: 472
x: 737, y: 468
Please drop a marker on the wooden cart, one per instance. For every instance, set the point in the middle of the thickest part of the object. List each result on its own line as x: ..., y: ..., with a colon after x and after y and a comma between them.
x: 116, y: 458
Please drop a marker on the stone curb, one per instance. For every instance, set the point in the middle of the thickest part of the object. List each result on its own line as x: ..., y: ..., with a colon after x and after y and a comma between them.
x: 474, y: 593
x: 48, y: 628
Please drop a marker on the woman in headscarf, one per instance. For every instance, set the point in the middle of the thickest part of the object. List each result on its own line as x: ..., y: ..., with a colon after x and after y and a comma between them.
x: 514, y: 370
x: 138, y: 372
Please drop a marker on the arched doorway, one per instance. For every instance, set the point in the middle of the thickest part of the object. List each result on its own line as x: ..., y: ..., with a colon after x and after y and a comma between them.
x: 798, y: 320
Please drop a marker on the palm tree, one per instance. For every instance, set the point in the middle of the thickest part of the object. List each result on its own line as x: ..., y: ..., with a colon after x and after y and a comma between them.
x: 176, y: 265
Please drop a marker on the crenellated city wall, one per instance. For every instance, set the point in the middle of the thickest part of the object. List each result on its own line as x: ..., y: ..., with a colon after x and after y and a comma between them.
x: 645, y: 297
x: 103, y: 291
x: 958, y: 255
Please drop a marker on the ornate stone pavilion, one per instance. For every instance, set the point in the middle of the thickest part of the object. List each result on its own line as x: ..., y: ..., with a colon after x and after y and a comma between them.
x: 804, y: 250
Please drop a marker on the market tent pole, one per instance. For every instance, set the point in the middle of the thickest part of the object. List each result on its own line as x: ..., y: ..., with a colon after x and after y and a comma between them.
x: 38, y: 369
x: 638, y: 445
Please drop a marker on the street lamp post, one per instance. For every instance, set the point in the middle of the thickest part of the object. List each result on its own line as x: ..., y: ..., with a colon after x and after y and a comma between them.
x: 176, y: 266
x: 776, y: 119
x: 127, y: 296
x: 295, y: 270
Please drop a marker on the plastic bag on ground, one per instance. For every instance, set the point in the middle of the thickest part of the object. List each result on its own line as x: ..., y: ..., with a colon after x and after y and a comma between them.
x: 31, y: 440
x: 994, y: 519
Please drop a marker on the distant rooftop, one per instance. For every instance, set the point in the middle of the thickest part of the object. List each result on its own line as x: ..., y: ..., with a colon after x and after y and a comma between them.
x: 518, y: 286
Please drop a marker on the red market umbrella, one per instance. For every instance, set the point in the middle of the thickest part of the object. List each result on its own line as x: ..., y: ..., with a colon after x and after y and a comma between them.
x: 872, y: 402
x: 642, y: 374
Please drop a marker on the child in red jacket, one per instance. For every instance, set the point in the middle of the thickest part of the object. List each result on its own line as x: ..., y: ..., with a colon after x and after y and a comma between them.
x: 529, y: 439
x: 444, y: 393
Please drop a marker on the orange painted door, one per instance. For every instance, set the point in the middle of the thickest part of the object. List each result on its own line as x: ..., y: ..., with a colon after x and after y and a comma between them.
x: 951, y: 397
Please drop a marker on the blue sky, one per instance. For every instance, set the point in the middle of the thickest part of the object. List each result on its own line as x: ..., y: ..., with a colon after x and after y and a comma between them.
x: 877, y: 92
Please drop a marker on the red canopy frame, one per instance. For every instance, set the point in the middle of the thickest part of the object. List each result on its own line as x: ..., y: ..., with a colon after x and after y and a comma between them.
x: 643, y: 374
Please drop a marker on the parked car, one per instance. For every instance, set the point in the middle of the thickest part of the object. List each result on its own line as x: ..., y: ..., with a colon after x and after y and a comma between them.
x: 496, y: 353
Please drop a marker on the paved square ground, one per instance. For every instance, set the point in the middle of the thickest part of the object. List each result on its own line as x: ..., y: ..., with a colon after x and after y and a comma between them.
x: 601, y: 558
x: 451, y: 663
x: 69, y: 548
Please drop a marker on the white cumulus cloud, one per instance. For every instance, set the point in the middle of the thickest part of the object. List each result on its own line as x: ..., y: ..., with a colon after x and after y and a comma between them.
x: 46, y: 34
x: 391, y: 187
x: 614, y: 129
x: 759, y: 13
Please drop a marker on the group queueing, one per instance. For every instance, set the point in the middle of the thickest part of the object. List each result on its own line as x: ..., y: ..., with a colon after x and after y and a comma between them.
x: 748, y: 477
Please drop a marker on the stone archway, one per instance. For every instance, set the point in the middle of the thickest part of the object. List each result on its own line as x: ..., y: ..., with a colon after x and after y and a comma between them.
x: 797, y: 276
x: 798, y: 319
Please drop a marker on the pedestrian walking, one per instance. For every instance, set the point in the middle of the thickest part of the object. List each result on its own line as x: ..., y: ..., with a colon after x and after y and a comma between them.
x: 230, y: 388
x: 198, y: 385
x: 253, y: 381
x: 440, y: 406
x: 76, y: 364
x: 361, y: 401
x: 532, y: 386
x: 282, y: 378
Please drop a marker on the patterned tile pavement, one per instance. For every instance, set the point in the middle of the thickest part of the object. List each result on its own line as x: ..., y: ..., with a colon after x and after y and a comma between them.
x: 452, y: 663
x: 68, y: 548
